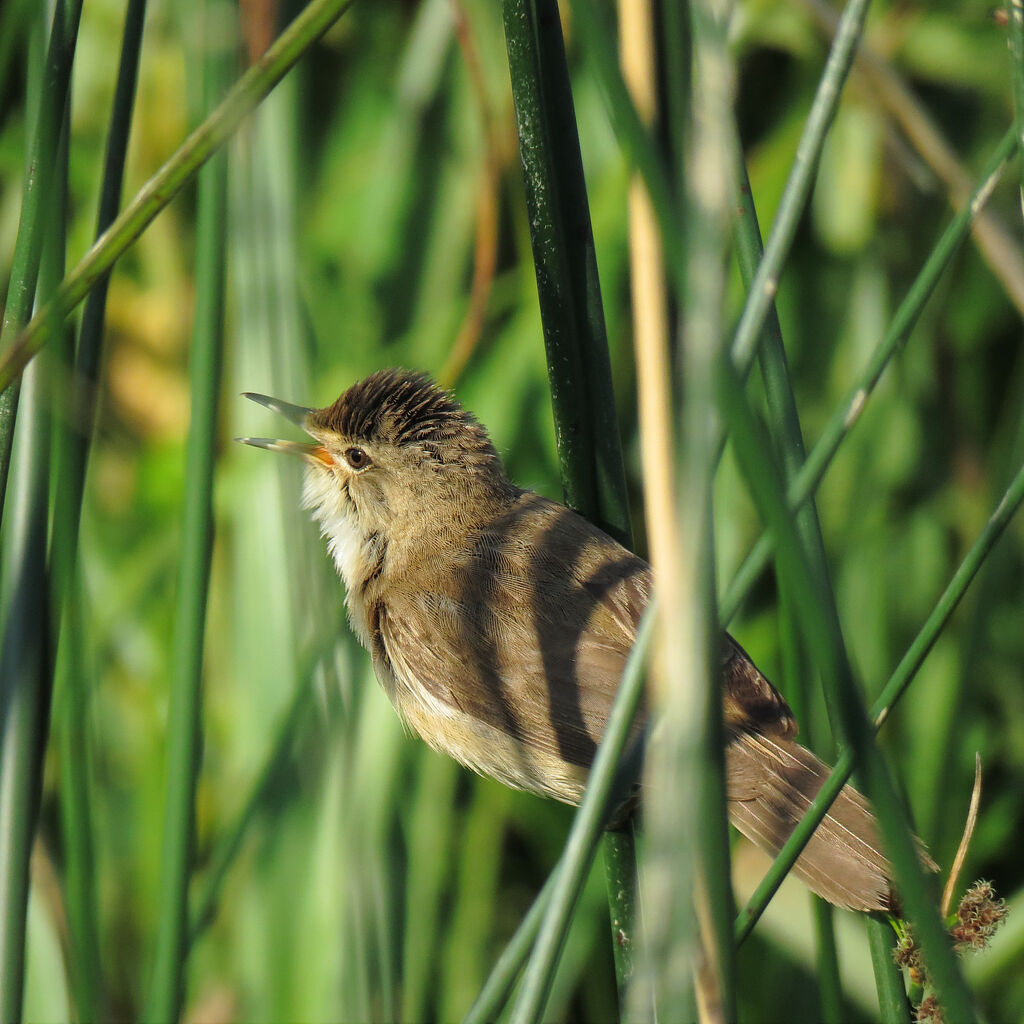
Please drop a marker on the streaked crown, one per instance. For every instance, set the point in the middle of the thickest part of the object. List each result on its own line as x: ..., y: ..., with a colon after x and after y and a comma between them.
x: 406, y: 409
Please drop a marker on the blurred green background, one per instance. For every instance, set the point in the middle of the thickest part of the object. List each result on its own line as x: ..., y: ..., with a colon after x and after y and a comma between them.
x: 376, y: 218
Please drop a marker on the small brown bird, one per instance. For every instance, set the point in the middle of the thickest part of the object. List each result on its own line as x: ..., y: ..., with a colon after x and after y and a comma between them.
x: 499, y: 622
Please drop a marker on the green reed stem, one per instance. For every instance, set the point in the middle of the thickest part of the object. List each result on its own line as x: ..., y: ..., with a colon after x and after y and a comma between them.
x: 606, y: 777
x: 822, y: 630
x: 884, y: 974
x: 1015, y: 11
x: 70, y: 457
x: 15, y: 18
x: 850, y: 409
x: 184, y: 733
x: 36, y: 206
x: 502, y: 979
x: 72, y: 717
x: 599, y: 50
x: 226, y: 850
x: 762, y: 290
x: 25, y: 660
x: 784, y: 426
x: 893, y: 690
x: 618, y: 848
x: 641, y: 153
x: 830, y: 985
x: 315, y: 19
x: 640, y: 150
x: 24, y: 693
x: 579, y: 368
x: 892, y: 996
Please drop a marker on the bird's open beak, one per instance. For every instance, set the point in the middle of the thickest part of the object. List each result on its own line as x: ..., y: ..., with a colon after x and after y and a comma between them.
x: 297, y: 414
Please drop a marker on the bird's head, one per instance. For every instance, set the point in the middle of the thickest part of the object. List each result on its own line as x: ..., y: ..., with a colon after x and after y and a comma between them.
x: 395, y: 461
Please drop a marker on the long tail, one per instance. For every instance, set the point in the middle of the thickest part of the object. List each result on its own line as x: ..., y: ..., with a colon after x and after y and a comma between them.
x: 771, y: 785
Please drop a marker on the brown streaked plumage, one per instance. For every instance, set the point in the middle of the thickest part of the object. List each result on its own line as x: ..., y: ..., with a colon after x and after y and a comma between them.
x: 499, y: 622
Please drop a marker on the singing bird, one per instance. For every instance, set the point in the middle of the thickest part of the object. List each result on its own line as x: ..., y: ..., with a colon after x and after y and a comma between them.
x: 499, y: 621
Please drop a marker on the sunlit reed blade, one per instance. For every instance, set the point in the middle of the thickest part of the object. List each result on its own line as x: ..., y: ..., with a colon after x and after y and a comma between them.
x: 314, y: 20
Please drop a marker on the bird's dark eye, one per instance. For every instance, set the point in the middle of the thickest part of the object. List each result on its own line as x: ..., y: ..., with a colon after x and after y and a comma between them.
x: 357, y: 458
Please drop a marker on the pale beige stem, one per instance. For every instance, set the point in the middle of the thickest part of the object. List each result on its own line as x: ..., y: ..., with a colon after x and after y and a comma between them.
x: 654, y: 387
x: 650, y: 342
x: 965, y: 841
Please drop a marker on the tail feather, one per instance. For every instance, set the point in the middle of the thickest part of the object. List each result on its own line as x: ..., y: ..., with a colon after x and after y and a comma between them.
x: 771, y: 785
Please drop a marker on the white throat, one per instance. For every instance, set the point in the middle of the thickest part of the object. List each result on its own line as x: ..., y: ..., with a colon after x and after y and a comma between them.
x: 345, y: 541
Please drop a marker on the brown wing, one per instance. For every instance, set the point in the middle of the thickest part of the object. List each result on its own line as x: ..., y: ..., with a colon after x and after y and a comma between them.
x: 771, y: 784
x: 540, y: 601
x: 750, y: 702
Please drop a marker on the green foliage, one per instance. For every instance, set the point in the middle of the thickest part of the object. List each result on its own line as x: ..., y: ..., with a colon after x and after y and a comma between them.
x: 340, y: 870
